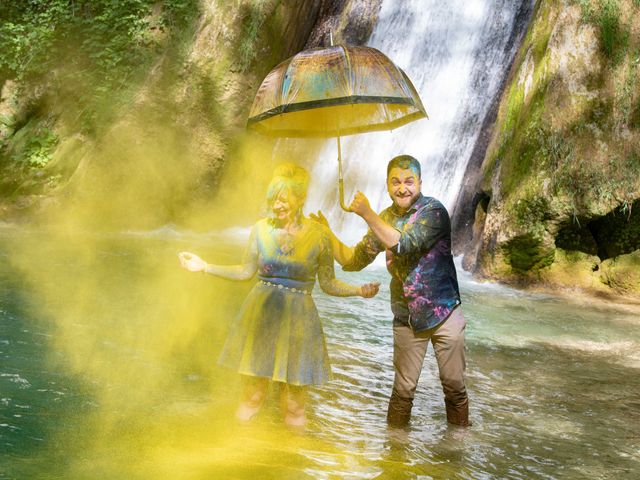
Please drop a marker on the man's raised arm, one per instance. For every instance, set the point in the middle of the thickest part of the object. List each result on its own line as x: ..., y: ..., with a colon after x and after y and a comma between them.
x: 386, y: 234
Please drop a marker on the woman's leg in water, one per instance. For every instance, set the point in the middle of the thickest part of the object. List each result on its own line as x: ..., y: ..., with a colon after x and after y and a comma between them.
x: 293, y: 399
x: 254, y: 391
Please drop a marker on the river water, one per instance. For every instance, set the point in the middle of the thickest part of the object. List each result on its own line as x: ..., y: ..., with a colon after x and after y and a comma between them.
x: 108, y: 370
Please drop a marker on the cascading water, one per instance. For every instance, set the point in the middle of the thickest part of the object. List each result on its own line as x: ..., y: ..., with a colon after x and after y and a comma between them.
x: 457, y: 54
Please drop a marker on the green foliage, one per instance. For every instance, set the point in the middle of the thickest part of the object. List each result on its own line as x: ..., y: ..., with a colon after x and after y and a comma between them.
x: 99, y: 35
x: 626, y: 90
x: 531, y: 211
x: 579, y: 180
x: 253, y: 18
x: 527, y: 253
x: 634, y: 117
x: 86, y: 50
x: 629, y: 173
x: 586, y: 181
x: 38, y: 149
x: 605, y: 16
x: 177, y: 15
x: 552, y: 146
x: 585, y: 9
x: 611, y: 36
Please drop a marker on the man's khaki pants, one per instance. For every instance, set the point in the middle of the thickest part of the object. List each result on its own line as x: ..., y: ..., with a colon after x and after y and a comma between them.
x: 409, y: 350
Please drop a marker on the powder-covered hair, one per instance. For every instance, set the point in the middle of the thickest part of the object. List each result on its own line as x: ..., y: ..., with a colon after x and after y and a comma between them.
x: 405, y: 162
x: 290, y: 177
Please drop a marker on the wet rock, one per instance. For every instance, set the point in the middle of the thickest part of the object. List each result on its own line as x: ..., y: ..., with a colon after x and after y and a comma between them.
x: 622, y: 273
x: 563, y: 167
x: 350, y: 22
x: 574, y: 269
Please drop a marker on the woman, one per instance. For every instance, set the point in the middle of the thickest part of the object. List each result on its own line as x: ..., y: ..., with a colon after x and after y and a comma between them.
x: 278, y: 335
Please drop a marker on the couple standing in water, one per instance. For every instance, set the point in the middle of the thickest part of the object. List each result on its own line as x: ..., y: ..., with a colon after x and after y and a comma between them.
x: 278, y: 335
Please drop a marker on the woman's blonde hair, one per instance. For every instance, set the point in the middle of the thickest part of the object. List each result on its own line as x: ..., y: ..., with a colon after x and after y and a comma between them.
x: 290, y: 177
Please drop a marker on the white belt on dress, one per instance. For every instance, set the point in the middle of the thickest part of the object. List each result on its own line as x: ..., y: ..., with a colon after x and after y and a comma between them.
x: 282, y: 287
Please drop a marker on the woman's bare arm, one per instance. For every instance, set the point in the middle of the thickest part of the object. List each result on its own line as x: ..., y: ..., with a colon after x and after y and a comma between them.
x: 244, y: 271
x: 332, y: 286
x: 327, y: 277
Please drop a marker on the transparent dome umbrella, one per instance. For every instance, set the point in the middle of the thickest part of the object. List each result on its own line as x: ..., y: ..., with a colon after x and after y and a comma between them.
x: 332, y: 92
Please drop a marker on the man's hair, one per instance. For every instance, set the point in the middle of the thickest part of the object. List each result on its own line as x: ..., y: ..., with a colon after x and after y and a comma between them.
x: 405, y: 162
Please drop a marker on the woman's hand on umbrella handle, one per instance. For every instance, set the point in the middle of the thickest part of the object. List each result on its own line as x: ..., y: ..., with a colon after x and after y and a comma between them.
x: 320, y: 218
x: 192, y: 262
x: 360, y: 205
x: 369, y: 290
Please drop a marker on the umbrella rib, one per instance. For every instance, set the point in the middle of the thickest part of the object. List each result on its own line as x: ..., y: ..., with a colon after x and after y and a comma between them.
x: 284, y: 83
x: 349, y: 71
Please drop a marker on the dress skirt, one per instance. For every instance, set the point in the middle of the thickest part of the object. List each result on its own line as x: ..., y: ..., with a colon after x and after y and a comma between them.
x: 278, y: 335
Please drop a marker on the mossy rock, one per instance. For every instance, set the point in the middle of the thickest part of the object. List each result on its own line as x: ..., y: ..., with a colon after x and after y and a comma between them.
x: 574, y: 269
x: 527, y: 253
x: 623, y: 273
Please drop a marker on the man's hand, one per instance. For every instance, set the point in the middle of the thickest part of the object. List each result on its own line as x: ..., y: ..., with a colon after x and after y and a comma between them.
x: 369, y: 290
x: 320, y: 218
x: 360, y: 205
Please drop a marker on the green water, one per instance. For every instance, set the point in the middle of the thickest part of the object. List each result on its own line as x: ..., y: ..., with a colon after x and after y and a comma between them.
x: 102, y: 378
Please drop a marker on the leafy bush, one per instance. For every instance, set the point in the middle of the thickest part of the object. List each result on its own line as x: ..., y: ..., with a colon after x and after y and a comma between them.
x: 527, y: 253
x: 609, y: 22
x: 605, y: 16
x: 252, y: 20
x: 87, y: 50
x: 585, y: 8
x: 38, y: 149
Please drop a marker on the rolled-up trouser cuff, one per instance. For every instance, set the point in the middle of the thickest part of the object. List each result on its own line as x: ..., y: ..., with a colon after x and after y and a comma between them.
x: 399, y: 411
x: 458, y: 414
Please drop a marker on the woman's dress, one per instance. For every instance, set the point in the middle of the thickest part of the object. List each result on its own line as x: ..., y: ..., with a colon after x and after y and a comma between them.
x: 278, y: 334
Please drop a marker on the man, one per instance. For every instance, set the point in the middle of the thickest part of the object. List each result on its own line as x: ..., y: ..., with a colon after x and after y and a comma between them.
x: 415, y: 232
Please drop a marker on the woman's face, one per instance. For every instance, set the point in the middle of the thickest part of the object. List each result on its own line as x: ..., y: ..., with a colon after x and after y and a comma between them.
x: 285, y: 206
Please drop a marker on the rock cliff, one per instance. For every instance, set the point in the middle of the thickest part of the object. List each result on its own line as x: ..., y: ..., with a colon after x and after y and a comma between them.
x: 559, y: 200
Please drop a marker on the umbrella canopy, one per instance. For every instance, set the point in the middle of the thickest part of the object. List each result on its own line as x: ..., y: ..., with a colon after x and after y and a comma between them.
x: 334, y: 91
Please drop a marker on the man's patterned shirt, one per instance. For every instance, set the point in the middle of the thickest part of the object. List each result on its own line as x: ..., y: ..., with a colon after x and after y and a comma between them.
x: 424, y: 285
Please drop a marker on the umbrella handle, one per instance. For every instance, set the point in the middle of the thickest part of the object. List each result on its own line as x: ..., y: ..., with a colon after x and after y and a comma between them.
x: 341, y: 180
x: 341, y: 192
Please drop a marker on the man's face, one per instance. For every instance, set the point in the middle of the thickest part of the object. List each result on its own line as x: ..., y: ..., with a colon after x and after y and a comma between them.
x: 404, y: 187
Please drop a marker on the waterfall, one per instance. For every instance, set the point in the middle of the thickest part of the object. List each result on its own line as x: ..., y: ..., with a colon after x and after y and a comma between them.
x: 457, y: 54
